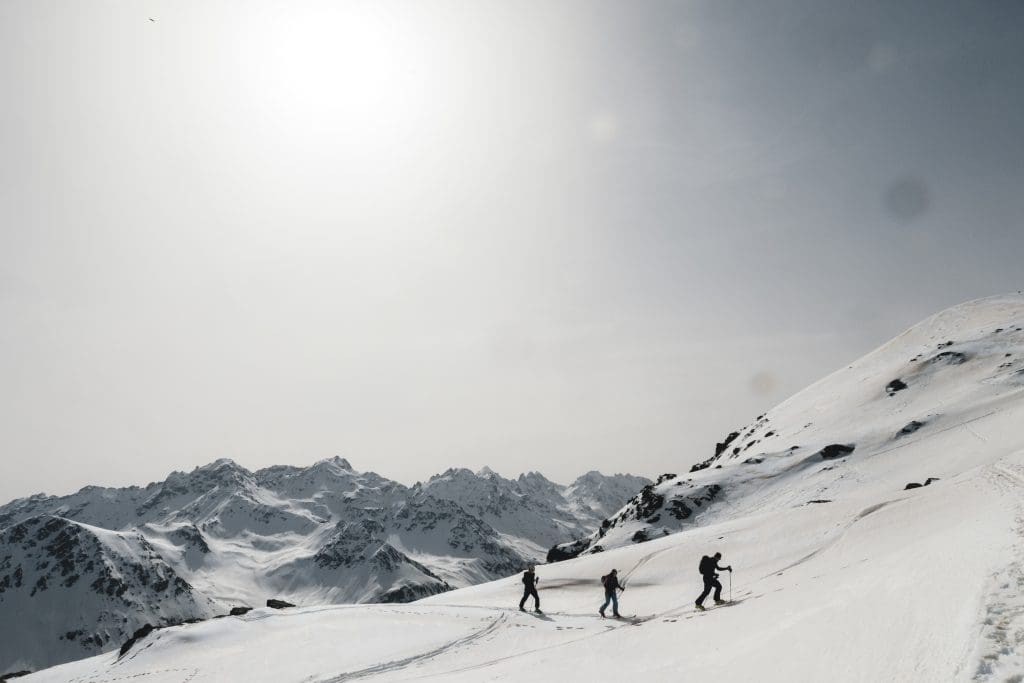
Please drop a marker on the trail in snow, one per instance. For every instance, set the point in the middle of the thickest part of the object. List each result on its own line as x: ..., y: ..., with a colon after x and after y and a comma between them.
x: 1000, y: 655
x: 415, y: 659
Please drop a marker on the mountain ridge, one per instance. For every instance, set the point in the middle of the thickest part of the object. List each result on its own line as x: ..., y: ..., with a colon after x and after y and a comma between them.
x: 230, y: 536
x: 943, y: 373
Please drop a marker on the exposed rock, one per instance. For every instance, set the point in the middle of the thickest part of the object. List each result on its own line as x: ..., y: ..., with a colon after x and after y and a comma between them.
x: 409, y: 593
x: 136, y: 637
x: 721, y: 446
x: 910, y: 428
x: 948, y: 358
x: 896, y: 385
x: 278, y: 604
x: 835, y: 450
x: 239, y: 611
x: 567, y: 551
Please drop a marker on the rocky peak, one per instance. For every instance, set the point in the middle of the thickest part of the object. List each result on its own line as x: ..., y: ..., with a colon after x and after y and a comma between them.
x: 454, y: 474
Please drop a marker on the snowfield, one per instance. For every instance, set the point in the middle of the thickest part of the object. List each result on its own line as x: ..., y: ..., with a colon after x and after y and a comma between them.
x: 841, y: 572
x: 79, y: 574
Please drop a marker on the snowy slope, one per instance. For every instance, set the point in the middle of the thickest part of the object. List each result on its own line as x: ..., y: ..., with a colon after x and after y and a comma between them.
x: 848, y: 430
x: 846, y: 592
x: 880, y: 583
x: 319, y: 534
x: 103, y: 584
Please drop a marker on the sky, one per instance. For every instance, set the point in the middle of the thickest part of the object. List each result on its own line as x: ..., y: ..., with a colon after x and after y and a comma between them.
x: 534, y: 235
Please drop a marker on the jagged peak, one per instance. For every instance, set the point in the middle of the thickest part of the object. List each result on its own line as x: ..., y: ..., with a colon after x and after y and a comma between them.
x: 25, y: 500
x: 453, y: 473
x: 222, y: 472
x: 593, y: 478
x: 337, y: 462
x: 219, y: 464
x: 222, y: 468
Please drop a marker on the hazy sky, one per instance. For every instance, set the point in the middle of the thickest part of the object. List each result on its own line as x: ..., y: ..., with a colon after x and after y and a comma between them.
x: 531, y: 234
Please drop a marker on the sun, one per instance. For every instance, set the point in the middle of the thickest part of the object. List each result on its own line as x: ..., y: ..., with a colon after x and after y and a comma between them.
x: 358, y: 74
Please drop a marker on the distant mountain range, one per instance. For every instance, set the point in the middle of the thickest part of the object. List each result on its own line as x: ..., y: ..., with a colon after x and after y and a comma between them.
x: 80, y: 573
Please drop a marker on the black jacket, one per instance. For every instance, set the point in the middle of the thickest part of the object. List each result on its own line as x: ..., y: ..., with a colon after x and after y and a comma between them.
x: 708, y: 566
x: 611, y: 582
x: 529, y: 580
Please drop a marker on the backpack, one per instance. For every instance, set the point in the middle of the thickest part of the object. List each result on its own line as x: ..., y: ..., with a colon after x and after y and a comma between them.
x: 604, y: 580
x: 706, y: 566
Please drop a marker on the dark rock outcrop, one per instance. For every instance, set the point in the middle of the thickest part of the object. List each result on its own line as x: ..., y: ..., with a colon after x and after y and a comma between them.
x: 409, y: 592
x: 567, y: 551
x: 136, y: 637
x: 278, y: 604
x: 896, y: 385
x: 835, y: 450
x: 948, y: 358
x: 910, y: 428
x: 722, y: 445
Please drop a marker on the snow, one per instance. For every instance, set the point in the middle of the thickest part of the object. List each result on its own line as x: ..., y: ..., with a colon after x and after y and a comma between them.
x: 879, y: 583
x: 231, y: 537
x: 866, y: 590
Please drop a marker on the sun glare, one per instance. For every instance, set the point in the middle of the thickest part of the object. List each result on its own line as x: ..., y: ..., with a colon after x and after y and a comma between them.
x: 359, y: 74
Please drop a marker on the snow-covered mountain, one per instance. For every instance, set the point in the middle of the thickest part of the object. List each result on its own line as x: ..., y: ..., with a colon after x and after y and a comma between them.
x: 101, y: 583
x: 843, y: 570
x: 532, y: 507
x: 80, y: 573
x: 943, y: 375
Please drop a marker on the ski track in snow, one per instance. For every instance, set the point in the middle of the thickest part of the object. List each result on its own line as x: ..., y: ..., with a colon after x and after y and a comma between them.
x: 1001, y: 641
x: 614, y: 626
x: 157, y: 676
x: 388, y: 667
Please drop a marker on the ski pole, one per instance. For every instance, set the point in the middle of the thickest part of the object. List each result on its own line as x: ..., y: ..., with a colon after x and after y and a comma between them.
x: 730, y: 585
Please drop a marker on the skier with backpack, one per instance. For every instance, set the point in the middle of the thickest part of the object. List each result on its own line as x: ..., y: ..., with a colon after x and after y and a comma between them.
x: 707, y: 568
x: 530, y: 588
x: 611, y: 584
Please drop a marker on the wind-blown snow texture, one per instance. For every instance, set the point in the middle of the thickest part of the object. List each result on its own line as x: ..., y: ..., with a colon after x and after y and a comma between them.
x: 80, y: 573
x: 842, y: 573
